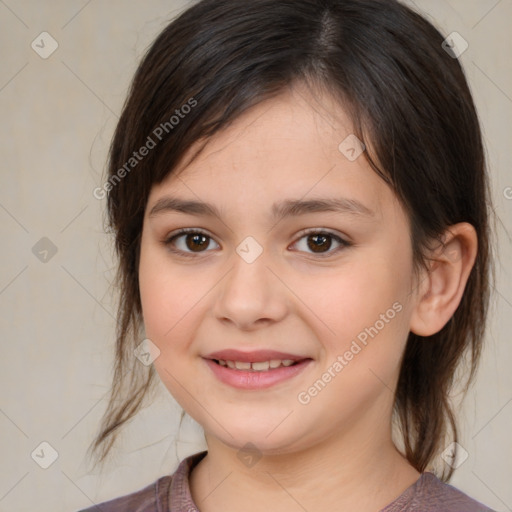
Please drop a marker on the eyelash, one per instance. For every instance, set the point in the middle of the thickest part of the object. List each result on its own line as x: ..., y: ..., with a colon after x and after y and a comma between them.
x: 168, y: 241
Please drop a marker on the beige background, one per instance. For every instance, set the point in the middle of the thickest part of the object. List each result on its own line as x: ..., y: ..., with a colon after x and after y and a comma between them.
x: 57, y: 324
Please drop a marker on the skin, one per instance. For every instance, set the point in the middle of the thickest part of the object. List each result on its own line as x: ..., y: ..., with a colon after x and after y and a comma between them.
x: 335, y: 452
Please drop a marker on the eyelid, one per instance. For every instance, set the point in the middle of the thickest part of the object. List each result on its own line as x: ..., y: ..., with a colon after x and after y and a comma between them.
x: 182, y: 231
x: 326, y: 231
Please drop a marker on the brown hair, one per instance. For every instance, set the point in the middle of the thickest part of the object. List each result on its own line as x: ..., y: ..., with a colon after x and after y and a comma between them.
x: 409, y: 101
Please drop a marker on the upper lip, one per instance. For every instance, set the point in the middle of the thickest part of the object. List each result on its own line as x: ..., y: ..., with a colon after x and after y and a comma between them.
x: 254, y: 356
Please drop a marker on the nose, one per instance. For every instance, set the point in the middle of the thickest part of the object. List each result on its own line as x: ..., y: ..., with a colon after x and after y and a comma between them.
x: 251, y: 295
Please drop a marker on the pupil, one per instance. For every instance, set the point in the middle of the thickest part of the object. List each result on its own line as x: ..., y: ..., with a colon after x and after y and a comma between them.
x: 196, y: 241
x: 319, y: 242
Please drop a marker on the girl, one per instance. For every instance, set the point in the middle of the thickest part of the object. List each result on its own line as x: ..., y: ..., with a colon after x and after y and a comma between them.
x: 298, y: 194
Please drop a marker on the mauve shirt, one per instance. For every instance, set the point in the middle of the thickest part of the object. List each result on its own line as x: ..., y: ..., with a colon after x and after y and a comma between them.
x: 171, y: 493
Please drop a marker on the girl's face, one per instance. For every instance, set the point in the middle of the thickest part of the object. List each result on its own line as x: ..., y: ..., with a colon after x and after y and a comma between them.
x: 274, y: 275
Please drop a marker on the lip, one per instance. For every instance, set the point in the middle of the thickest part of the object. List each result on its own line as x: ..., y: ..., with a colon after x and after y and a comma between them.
x: 250, y: 379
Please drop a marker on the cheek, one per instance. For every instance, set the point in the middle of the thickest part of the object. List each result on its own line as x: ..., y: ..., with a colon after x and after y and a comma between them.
x: 364, y: 313
x: 367, y: 310
x: 170, y: 299
x: 167, y: 295
x: 356, y: 298
x: 175, y: 300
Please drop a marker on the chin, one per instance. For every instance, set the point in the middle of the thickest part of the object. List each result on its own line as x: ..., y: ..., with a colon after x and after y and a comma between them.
x: 247, y: 436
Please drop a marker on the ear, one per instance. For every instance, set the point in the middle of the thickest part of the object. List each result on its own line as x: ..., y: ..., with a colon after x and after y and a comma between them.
x: 441, y: 287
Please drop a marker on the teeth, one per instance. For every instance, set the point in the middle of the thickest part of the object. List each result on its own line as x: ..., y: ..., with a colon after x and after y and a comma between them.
x: 264, y: 365
x: 259, y: 366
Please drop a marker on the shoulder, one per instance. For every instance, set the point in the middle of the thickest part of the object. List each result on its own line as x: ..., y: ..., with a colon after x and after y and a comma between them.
x: 429, y: 494
x: 156, y: 496
x: 152, y: 498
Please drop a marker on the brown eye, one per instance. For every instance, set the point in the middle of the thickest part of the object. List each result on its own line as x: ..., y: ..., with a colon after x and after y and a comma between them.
x: 188, y: 241
x: 321, y: 242
x: 196, y: 242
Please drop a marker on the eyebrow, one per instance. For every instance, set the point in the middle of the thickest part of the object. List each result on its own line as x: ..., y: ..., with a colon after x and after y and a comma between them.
x: 286, y: 208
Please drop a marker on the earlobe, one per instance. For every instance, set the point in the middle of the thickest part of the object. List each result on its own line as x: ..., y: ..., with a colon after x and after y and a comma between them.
x: 441, y: 288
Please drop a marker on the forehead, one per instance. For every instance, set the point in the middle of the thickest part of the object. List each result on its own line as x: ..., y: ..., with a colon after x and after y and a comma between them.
x: 298, y: 121
x: 287, y: 146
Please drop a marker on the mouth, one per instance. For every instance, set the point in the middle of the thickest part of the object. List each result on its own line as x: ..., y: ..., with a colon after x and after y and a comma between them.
x: 255, y: 370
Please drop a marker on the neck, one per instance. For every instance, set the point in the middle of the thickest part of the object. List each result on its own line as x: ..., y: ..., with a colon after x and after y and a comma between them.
x: 358, y: 470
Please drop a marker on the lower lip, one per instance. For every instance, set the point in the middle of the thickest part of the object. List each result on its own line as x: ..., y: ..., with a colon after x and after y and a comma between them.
x: 243, y: 379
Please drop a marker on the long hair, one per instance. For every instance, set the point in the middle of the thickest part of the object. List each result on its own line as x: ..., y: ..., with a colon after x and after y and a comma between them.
x: 409, y: 102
